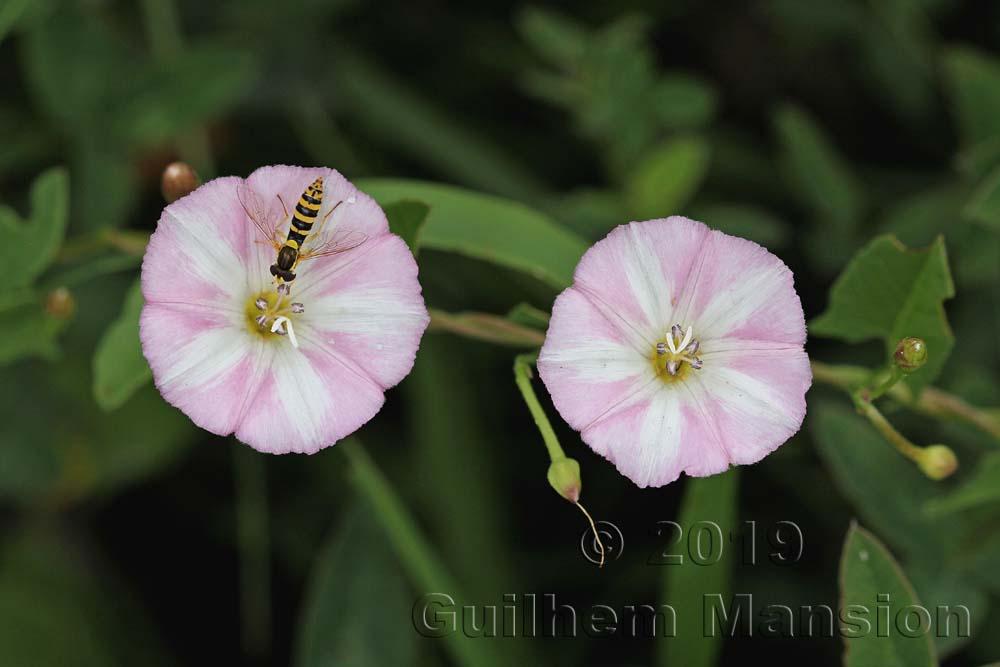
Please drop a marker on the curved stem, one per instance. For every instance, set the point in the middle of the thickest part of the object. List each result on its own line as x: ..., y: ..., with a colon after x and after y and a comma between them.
x: 522, y: 376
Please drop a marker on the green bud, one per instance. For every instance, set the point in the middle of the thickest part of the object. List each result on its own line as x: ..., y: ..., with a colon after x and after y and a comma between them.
x: 564, y: 477
x: 911, y: 354
x: 937, y: 461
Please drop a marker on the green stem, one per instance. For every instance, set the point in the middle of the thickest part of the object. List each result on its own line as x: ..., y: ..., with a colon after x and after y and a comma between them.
x: 486, y: 327
x: 888, y: 431
x: 522, y: 376
x: 932, y: 401
x: 163, y: 31
x: 416, y: 555
x: 254, y: 550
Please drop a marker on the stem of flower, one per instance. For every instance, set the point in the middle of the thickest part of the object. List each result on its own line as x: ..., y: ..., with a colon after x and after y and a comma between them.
x: 486, y: 327
x: 888, y: 431
x: 415, y: 554
x: 254, y: 550
x: 932, y: 402
x: 522, y: 376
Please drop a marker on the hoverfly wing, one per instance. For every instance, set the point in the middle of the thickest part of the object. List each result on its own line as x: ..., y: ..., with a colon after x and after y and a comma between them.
x: 341, y: 241
x: 263, y: 217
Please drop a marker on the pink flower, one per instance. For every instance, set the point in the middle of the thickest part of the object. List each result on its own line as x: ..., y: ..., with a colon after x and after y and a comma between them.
x: 678, y: 348
x: 288, y: 366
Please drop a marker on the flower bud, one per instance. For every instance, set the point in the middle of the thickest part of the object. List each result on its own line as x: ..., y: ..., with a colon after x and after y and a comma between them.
x: 178, y: 180
x: 937, y: 461
x: 564, y: 477
x: 60, y: 304
x: 911, y: 354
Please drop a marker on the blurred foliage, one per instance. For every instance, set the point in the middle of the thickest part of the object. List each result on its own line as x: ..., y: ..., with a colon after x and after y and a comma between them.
x: 501, y: 142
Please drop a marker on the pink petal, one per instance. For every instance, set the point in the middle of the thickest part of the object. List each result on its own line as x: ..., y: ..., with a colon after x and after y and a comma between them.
x: 308, y: 400
x: 636, y: 273
x: 365, y: 307
x: 741, y: 290
x: 586, y: 362
x: 198, y: 253
x: 199, y: 364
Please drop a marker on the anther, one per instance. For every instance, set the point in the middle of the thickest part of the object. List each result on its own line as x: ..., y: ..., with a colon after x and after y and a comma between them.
x: 672, y: 367
x: 676, y: 331
x: 261, y: 321
x: 661, y: 348
x: 284, y: 289
x: 695, y: 362
x: 692, y: 348
x: 261, y: 304
x: 298, y: 308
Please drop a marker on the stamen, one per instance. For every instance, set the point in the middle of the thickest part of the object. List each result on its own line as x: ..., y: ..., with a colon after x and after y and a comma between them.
x: 672, y: 367
x: 661, y: 349
x: 695, y: 362
x: 284, y: 289
x: 261, y: 321
x: 687, y: 338
x: 282, y: 326
x: 261, y: 303
x: 692, y: 348
x: 298, y: 308
x: 675, y: 331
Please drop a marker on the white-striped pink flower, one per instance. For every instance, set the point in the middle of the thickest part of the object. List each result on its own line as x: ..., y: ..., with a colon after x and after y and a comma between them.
x: 678, y: 349
x: 285, y: 372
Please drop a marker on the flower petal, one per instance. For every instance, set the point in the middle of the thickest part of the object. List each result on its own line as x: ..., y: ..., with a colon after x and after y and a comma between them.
x: 200, y: 364
x: 635, y: 275
x: 756, y: 396
x: 740, y: 290
x: 366, y: 308
x: 586, y: 362
x: 307, y: 400
x: 199, y: 251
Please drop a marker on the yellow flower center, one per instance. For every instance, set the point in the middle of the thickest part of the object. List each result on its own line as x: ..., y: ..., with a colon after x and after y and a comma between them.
x: 674, y: 356
x: 270, y: 314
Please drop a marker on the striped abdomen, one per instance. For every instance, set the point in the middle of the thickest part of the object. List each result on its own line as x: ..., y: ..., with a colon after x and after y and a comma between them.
x: 303, y: 219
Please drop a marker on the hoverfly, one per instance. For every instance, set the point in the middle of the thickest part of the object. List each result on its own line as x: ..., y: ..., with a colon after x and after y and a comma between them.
x: 292, y: 250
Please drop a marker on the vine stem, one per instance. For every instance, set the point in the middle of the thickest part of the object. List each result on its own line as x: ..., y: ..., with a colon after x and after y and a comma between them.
x: 522, y: 376
x: 415, y: 554
x: 252, y: 538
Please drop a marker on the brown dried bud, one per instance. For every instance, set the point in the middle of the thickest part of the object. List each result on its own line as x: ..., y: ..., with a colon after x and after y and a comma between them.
x: 60, y: 304
x: 179, y: 179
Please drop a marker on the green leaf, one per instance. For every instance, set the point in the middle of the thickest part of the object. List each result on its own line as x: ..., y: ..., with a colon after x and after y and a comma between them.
x: 31, y: 331
x: 744, y: 220
x: 558, y: 38
x: 406, y: 220
x: 31, y: 245
x: 860, y: 461
x: 824, y: 185
x: 10, y: 12
x: 821, y: 177
x: 890, y: 292
x: 529, y: 316
x: 343, y: 622
x: 947, y: 588
x: 667, y: 177
x: 120, y: 369
x: 488, y: 228
x: 868, y: 570
x: 407, y: 120
x: 708, y: 515
x: 973, y: 83
x: 201, y: 83
x: 683, y: 102
x: 982, y: 489
x: 984, y: 207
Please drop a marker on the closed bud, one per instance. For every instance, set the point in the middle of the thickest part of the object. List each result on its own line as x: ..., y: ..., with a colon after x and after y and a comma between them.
x: 911, y: 354
x: 564, y: 477
x: 60, y: 304
x: 178, y: 180
x: 937, y: 461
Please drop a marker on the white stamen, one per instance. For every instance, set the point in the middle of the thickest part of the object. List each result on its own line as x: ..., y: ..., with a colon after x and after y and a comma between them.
x: 671, y: 344
x: 284, y: 325
x: 687, y: 338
